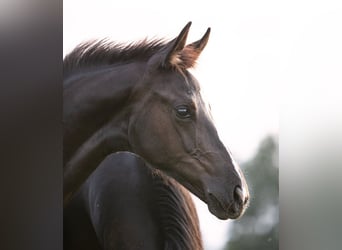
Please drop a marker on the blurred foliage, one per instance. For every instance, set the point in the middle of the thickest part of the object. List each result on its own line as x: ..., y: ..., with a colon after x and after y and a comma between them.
x: 258, y: 228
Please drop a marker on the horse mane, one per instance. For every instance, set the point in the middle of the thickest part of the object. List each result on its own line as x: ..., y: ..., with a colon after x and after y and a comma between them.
x: 105, y: 52
x: 176, y: 213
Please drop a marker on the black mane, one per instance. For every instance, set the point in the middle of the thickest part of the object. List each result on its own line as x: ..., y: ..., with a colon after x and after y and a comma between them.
x: 176, y: 213
x: 105, y: 52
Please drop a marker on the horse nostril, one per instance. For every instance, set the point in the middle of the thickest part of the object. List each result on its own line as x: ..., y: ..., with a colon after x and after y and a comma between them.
x: 239, y: 196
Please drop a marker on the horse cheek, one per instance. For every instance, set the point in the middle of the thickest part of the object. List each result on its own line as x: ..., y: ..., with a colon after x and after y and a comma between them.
x: 153, y: 137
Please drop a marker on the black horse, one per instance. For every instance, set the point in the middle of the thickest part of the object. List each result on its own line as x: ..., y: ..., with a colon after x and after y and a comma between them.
x: 126, y: 204
x: 141, y: 98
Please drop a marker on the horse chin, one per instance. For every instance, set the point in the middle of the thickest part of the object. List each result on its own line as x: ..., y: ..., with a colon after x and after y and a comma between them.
x: 218, y: 211
x: 220, y: 214
x: 215, y: 207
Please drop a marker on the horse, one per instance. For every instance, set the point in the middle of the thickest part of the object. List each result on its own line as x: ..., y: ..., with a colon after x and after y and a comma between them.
x: 141, y: 97
x: 126, y: 204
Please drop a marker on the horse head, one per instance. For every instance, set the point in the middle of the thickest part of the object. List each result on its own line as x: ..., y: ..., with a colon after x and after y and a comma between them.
x: 171, y: 128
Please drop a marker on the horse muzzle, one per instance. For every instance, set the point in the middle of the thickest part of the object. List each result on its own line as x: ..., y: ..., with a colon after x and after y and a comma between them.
x: 228, y: 206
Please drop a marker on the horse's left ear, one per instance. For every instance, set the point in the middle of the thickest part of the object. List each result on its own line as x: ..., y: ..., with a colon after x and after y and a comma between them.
x: 168, y: 57
x: 174, y: 48
x: 176, y: 55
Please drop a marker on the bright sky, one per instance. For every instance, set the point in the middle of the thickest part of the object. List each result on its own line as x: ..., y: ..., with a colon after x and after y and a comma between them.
x: 239, y: 70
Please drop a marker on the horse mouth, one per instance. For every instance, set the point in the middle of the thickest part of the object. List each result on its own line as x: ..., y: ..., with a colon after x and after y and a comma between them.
x: 231, y: 211
x: 216, y: 207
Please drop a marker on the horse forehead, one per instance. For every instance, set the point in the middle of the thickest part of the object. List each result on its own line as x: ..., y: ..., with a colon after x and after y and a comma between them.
x: 190, y: 82
x: 177, y: 80
x: 178, y: 86
x: 185, y: 90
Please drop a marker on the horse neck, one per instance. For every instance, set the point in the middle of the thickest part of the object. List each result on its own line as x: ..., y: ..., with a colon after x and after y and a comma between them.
x: 93, y: 99
x: 95, y: 117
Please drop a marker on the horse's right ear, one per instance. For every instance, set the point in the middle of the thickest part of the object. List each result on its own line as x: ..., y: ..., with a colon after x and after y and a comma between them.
x: 169, y: 56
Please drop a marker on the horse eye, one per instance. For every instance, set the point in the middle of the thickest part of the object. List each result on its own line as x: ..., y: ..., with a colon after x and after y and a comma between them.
x: 183, y: 111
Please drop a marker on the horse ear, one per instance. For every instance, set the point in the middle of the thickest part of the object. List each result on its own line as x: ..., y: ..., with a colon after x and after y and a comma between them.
x: 169, y: 55
x: 191, y: 52
x: 176, y: 46
x: 176, y: 54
